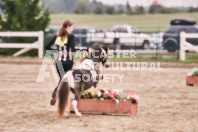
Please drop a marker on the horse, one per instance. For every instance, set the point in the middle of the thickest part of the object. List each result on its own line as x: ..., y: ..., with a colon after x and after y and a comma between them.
x: 79, y: 79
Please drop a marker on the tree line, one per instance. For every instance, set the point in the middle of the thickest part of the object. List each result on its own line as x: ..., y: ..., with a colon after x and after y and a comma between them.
x: 94, y: 7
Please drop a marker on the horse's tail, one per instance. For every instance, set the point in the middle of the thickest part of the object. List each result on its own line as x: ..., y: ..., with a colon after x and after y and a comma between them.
x: 63, y: 97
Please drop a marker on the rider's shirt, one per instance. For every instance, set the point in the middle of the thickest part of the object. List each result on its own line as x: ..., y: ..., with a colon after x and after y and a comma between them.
x: 64, y: 46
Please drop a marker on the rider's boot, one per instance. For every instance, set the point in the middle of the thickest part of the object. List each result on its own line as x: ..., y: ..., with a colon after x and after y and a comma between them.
x: 53, y: 100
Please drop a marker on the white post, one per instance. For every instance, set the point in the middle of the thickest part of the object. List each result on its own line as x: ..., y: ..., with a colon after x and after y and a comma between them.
x: 40, y: 44
x: 182, y: 46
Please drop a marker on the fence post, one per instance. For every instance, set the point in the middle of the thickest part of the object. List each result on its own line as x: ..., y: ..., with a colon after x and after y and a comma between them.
x: 40, y: 44
x: 182, y: 46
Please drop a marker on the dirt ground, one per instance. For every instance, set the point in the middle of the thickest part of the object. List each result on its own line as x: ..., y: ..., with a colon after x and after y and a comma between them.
x: 166, y: 104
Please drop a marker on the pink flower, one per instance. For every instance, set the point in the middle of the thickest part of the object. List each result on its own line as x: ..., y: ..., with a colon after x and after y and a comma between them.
x: 127, y: 97
x: 135, y: 96
x: 112, y: 94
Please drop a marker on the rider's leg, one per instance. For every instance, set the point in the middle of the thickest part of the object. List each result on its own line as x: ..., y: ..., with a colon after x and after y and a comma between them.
x: 66, y: 66
x: 55, y: 90
x: 53, y: 100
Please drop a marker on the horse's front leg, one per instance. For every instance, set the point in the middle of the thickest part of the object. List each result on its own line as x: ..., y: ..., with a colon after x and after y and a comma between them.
x: 75, y: 102
x: 77, y: 93
x: 98, y: 78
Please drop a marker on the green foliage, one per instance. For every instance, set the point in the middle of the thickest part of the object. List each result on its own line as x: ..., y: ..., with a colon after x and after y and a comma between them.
x: 86, y: 7
x: 110, y: 10
x: 195, y: 72
x: 193, y: 9
x: 129, y: 11
x: 161, y: 9
x: 99, y: 9
x: 154, y: 9
x: 120, y: 11
x: 22, y: 15
x: 82, y: 7
x: 60, y: 6
x: 139, y: 10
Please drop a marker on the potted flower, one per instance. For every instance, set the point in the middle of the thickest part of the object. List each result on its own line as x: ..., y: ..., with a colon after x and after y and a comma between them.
x: 192, y: 77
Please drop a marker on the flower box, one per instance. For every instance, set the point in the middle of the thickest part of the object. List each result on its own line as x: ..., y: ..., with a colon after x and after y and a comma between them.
x: 97, y: 106
x: 191, y: 80
x: 192, y: 77
x: 102, y: 101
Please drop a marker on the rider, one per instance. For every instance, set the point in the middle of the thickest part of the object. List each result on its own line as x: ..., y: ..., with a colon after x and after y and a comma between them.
x: 65, y: 44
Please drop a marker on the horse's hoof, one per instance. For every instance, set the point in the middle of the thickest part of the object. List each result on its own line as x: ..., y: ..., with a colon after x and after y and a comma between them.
x: 53, y: 101
x: 66, y: 116
x: 78, y: 114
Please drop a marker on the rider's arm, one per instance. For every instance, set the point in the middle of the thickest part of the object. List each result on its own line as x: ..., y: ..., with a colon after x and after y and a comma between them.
x: 72, y: 44
x: 52, y: 41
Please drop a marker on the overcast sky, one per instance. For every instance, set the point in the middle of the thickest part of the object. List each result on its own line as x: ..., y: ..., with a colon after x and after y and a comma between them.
x: 167, y: 3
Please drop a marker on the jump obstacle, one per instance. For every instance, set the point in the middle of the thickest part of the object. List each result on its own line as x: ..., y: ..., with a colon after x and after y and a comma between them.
x: 95, y: 106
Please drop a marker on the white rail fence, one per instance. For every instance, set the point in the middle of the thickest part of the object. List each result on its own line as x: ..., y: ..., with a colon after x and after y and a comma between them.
x: 184, y: 45
x: 25, y: 46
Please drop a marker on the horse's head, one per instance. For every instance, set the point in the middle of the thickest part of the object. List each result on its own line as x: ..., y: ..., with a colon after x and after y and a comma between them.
x: 104, y: 55
x: 99, y: 55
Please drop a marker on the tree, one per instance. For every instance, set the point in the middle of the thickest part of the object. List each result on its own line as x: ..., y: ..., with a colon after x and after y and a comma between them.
x: 82, y: 7
x: 193, y: 9
x: 120, y: 11
x: 23, y: 15
x: 129, y: 11
x: 60, y: 6
x: 99, y: 9
x: 139, y: 10
x: 161, y: 9
x: 154, y: 9
x: 110, y: 10
x: 70, y: 4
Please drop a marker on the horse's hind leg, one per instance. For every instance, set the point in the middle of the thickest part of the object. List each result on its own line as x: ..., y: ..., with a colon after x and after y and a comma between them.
x: 67, y: 109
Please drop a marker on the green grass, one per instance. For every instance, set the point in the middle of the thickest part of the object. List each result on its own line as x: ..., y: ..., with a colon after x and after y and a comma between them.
x: 190, y: 58
x: 144, y: 22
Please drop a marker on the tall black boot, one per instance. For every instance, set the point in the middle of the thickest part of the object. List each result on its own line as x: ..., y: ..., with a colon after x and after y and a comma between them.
x: 53, y: 100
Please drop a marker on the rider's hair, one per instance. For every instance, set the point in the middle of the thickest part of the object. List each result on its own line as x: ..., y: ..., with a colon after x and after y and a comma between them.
x: 62, y: 32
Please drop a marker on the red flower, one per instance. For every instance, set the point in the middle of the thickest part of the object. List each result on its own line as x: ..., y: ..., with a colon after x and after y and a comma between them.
x: 102, y: 91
